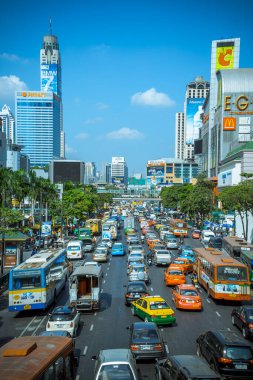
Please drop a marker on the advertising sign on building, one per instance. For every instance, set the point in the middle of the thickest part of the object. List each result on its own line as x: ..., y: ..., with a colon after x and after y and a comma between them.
x: 49, y: 78
x: 46, y: 228
x: 157, y: 171
x: 225, y: 55
x: 229, y: 124
x: 119, y: 180
x: 193, y: 118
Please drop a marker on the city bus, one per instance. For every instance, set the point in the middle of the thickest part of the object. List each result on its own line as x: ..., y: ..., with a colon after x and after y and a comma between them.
x: 38, y: 357
x: 178, y: 227
x: 35, y: 283
x: 247, y: 259
x: 95, y: 225
x: 233, y: 245
x: 223, y: 277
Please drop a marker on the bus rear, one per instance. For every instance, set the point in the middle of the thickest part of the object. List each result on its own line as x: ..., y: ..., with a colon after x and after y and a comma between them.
x: 179, y: 227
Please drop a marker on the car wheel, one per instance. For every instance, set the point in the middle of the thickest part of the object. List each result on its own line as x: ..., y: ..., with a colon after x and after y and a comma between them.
x: 244, y: 333
x: 133, y: 311
x: 199, y: 354
x: 233, y: 320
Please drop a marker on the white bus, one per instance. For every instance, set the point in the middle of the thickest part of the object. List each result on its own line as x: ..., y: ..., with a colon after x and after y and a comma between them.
x: 35, y: 283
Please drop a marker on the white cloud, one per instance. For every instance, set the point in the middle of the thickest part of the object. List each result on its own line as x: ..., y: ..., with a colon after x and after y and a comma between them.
x: 95, y: 120
x: 10, y: 84
x: 125, y: 133
x: 101, y: 106
x: 82, y: 136
x: 68, y: 149
x: 152, y: 98
x: 13, y: 58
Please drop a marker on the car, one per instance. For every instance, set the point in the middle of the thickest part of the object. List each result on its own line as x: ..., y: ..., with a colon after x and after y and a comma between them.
x: 146, y: 341
x: 133, y: 240
x: 205, y: 236
x: 107, y: 242
x: 154, y: 309
x: 174, y: 275
x: 226, y: 354
x: 215, y: 242
x: 196, y: 234
x: 242, y: 317
x: 135, y: 290
x: 184, y: 367
x: 162, y: 257
x: 187, y: 297
x: 186, y: 264
x: 103, y: 244
x: 139, y: 272
x: 184, y: 247
x: 117, y: 249
x: 64, y: 318
x: 172, y: 243
x: 133, y: 261
x: 100, y: 254
x: 136, y: 248
x: 115, y: 364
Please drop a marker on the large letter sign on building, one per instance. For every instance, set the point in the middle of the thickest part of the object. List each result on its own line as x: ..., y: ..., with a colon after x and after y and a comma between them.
x: 225, y: 57
x: 49, y: 78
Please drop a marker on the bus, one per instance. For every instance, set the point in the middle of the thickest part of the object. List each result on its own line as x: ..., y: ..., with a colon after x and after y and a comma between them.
x: 223, y: 277
x: 247, y: 259
x: 178, y: 227
x: 38, y: 357
x: 35, y: 283
x: 95, y: 225
x: 233, y: 245
x: 84, y: 233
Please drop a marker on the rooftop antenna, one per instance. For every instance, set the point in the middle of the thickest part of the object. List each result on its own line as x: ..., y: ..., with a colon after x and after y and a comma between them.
x: 50, y: 26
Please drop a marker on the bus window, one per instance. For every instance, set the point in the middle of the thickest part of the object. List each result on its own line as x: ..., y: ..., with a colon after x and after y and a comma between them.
x: 27, y: 282
x: 226, y: 273
x: 59, y: 369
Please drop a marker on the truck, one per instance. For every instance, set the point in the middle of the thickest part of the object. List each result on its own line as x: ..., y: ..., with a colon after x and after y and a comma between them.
x: 84, y: 233
x: 129, y: 223
x: 110, y: 226
x: 85, y: 287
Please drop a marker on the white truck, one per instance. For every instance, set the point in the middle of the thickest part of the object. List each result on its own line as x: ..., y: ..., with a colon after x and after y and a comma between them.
x: 85, y: 287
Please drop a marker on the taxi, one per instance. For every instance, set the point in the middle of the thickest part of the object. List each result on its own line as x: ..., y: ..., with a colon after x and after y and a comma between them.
x: 196, y: 234
x: 186, y: 264
x: 153, y: 309
x: 187, y: 297
x: 151, y: 243
x: 174, y: 275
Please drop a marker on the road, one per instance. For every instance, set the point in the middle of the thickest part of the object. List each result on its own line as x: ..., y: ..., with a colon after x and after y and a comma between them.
x: 107, y: 327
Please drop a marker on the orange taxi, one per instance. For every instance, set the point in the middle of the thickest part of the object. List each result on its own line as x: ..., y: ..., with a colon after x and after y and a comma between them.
x: 183, y: 262
x: 174, y: 275
x: 196, y: 234
x: 187, y: 297
x: 151, y: 242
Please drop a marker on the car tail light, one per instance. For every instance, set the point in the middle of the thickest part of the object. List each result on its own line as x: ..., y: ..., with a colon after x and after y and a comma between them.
x: 134, y: 347
x: 71, y: 324
x: 250, y: 325
x: 158, y: 347
x: 251, y: 361
x: 225, y: 360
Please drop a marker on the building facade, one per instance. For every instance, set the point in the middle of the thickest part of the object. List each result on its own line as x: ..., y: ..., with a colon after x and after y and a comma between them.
x: 179, y: 135
x: 38, y: 125
x: 119, y: 171
x: 61, y: 171
x: 8, y: 123
x: 90, y: 173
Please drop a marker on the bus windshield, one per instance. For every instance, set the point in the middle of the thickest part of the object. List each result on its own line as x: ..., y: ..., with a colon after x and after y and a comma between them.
x: 231, y: 273
x: 26, y: 281
x: 73, y: 248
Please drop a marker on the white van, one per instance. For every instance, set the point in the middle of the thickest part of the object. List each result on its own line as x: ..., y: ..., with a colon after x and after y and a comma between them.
x: 75, y: 249
x: 205, y: 236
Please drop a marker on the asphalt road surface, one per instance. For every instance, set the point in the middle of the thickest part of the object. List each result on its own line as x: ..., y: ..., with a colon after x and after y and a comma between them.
x: 107, y: 327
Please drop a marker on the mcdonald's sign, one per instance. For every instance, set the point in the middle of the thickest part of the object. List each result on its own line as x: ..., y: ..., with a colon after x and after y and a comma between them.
x: 229, y: 124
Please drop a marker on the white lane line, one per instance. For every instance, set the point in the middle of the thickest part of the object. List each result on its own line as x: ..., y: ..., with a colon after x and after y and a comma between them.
x: 151, y: 289
x: 85, y: 350
x: 95, y: 314
x: 167, y: 349
x: 102, y: 290
x: 108, y: 268
x: 104, y: 282
x: 218, y: 314
x: 207, y: 300
x: 91, y: 328
x: 39, y: 325
x: 23, y: 332
x: 228, y: 328
x: 106, y: 274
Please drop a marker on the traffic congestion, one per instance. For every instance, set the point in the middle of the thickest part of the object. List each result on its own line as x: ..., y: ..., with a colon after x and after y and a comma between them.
x: 136, y: 294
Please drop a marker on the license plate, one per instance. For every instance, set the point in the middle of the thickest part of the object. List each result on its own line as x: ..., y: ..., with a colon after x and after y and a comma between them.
x: 73, y: 253
x: 27, y: 307
x: 145, y: 347
x: 137, y: 296
x: 189, y: 301
x: 163, y: 316
x: 241, y: 366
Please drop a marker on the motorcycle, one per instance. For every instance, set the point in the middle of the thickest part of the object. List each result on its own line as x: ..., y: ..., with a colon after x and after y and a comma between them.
x: 149, y: 261
x: 195, y: 281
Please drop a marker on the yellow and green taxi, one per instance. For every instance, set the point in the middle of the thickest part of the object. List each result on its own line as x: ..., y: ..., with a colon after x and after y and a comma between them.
x: 153, y: 309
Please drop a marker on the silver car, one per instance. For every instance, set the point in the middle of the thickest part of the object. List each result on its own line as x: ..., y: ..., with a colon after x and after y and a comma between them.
x: 100, y: 254
x: 116, y: 363
x: 172, y: 243
x: 139, y: 272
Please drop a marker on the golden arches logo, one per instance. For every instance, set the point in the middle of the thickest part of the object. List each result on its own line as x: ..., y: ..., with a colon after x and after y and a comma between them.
x: 229, y: 124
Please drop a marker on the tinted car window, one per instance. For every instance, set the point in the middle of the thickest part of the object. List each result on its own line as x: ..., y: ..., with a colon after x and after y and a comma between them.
x: 61, y: 317
x: 145, y: 335
x: 115, y: 372
x: 136, y: 288
x: 239, y: 353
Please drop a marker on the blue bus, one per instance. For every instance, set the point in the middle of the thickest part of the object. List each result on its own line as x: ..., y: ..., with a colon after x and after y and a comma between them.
x: 35, y: 283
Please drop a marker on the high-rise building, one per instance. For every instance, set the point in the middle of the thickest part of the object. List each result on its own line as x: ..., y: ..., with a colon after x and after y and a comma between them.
x: 119, y: 171
x: 224, y: 56
x: 50, y: 75
x: 196, y: 93
x: 179, y: 135
x: 90, y: 173
x: 38, y: 125
x: 8, y: 123
x: 108, y: 174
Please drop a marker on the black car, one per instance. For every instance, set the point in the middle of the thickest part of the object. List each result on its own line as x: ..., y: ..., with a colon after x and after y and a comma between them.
x: 186, y: 367
x: 146, y: 341
x: 135, y: 290
x: 215, y: 242
x: 242, y: 317
x: 226, y: 354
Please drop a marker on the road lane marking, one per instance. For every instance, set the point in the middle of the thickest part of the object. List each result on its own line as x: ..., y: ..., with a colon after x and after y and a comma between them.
x: 207, y: 300
x: 218, y: 314
x: 108, y: 268
x: 85, y: 350
x: 105, y: 274
x: 95, y: 314
x: 102, y: 290
x: 23, y: 332
x: 167, y: 349
x: 39, y: 325
x: 104, y: 282
x: 229, y: 329
x: 91, y: 328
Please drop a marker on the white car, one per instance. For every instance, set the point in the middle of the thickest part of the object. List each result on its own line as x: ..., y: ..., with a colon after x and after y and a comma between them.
x: 64, y: 318
x: 108, y: 242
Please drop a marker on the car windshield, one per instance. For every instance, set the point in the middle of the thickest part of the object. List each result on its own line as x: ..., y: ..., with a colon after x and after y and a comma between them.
x: 138, y: 269
x: 136, y: 288
x: 157, y: 305
x: 143, y: 336
x: 175, y: 272
x: 172, y: 240
x: 61, y: 317
x: 230, y: 273
x: 188, y: 292
x: 115, y: 372
x: 73, y: 248
x: 180, y: 262
x: 235, y: 352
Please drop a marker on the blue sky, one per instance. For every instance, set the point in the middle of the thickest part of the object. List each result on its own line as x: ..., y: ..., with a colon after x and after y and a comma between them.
x: 125, y: 65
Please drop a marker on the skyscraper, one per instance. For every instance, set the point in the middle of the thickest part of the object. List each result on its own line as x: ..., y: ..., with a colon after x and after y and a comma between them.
x: 119, y: 171
x: 8, y: 123
x: 179, y: 135
x: 50, y: 75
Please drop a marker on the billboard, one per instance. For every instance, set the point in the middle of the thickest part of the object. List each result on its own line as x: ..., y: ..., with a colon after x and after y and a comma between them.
x: 229, y: 123
x: 119, y: 180
x: 157, y: 171
x: 225, y: 56
x: 193, y: 119
x: 46, y: 228
x: 49, y: 78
